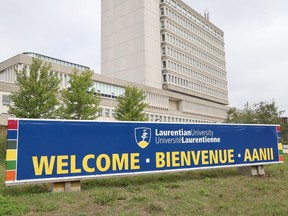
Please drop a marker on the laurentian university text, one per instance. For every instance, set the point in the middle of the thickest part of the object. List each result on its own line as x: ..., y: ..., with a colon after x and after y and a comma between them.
x: 185, y: 136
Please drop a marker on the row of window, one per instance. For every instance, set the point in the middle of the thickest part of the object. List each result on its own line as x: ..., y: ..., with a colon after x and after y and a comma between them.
x: 104, y: 89
x: 54, y: 60
x: 166, y: 37
x: 168, y: 51
x: 187, y: 71
x: 166, y: 24
x: 193, y: 86
x: 168, y: 118
x: 8, y: 75
x: 188, y: 14
x: 112, y: 91
x: 157, y: 101
x: 191, y: 27
x: 108, y: 89
x: 154, y: 100
x: 107, y: 113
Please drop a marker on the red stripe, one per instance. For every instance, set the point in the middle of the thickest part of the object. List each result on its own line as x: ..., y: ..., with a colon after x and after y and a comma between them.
x: 12, y: 124
x: 278, y: 128
x: 281, y: 158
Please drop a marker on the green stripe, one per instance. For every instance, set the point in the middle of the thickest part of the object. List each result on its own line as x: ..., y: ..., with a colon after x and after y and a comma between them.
x: 11, y: 144
x: 11, y: 165
x: 280, y: 152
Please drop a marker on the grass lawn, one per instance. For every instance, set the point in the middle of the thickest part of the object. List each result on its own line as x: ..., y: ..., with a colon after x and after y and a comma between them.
x: 207, y: 192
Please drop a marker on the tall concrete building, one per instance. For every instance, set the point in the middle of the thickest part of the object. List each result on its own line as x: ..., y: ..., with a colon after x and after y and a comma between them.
x: 164, y: 44
x: 131, y: 41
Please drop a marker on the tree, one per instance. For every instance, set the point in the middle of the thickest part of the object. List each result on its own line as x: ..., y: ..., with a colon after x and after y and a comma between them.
x: 245, y: 116
x: 80, y: 100
x: 37, y: 94
x: 267, y: 113
x: 131, y: 105
x: 259, y: 113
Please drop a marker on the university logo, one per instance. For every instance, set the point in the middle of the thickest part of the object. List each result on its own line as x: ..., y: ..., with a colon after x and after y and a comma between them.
x: 142, y: 136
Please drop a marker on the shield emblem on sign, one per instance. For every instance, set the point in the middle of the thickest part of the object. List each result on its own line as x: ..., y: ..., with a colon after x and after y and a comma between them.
x: 142, y: 136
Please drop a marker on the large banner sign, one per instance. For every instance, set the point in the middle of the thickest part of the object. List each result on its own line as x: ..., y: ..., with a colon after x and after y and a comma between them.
x: 57, y: 150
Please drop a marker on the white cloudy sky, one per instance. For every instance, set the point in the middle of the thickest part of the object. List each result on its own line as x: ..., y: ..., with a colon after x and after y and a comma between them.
x: 256, y: 39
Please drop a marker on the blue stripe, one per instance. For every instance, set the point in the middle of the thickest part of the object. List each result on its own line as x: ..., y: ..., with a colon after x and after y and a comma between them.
x: 12, y: 134
x: 279, y: 134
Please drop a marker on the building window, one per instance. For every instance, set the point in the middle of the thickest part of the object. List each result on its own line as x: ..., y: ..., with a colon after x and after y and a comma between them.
x: 107, y: 113
x: 165, y: 78
x: 100, y: 113
x: 163, y: 37
x: 6, y: 100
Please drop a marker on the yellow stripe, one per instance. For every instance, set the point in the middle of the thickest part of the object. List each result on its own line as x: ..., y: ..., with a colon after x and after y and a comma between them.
x: 280, y: 147
x: 11, y: 155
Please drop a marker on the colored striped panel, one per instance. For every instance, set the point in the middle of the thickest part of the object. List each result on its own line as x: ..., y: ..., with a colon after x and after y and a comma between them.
x: 10, y: 175
x: 11, y: 144
x: 280, y: 152
x: 281, y: 157
x: 11, y: 155
x: 280, y: 146
x: 279, y: 134
x: 11, y: 165
x: 12, y: 124
x: 12, y: 134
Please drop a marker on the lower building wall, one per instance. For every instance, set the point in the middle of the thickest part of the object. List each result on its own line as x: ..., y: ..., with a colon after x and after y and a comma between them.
x: 163, y: 105
x: 177, y: 112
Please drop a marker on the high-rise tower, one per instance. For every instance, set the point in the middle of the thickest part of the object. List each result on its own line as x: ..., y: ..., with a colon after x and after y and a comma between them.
x: 164, y: 44
x: 193, y: 57
x: 131, y: 46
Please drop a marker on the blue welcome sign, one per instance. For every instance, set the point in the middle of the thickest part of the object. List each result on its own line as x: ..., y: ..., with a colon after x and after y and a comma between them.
x: 57, y: 150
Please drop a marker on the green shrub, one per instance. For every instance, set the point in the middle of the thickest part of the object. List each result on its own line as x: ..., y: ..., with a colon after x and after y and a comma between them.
x: 3, y: 142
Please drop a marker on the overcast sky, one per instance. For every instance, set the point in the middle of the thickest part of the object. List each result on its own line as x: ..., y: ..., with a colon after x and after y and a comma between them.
x: 255, y: 34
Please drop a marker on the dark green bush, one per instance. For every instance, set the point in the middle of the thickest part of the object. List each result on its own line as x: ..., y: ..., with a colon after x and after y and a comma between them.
x: 3, y: 141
